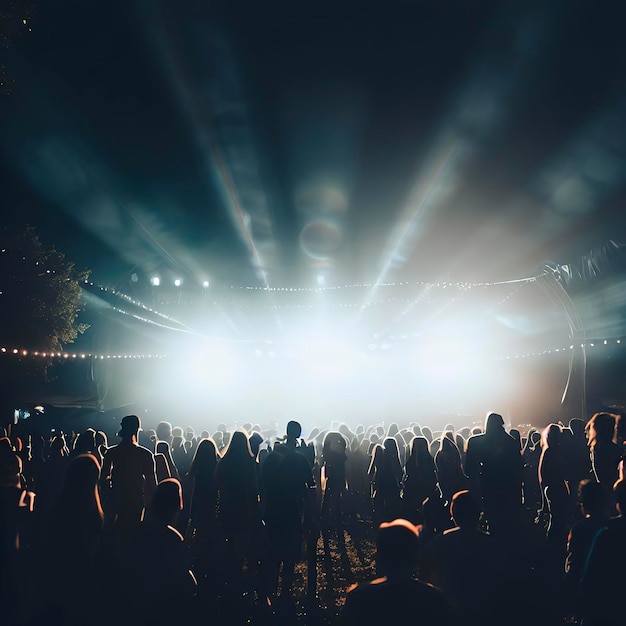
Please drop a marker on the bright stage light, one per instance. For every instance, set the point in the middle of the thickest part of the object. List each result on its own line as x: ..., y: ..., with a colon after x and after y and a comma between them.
x: 178, y: 282
x: 156, y: 281
x: 205, y: 284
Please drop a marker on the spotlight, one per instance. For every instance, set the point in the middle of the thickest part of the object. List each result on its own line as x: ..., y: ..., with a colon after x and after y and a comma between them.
x: 156, y: 281
x: 205, y: 284
x: 178, y: 282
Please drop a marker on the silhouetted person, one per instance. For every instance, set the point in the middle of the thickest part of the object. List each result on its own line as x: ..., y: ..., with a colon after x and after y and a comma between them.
x: 157, y: 564
x: 162, y: 467
x: 396, y: 597
x: 164, y: 432
x: 388, y: 481
x: 72, y: 540
x: 593, y: 502
x: 495, y: 458
x: 131, y: 471
x: 449, y: 469
x: 553, y: 480
x: 420, y: 478
x: 532, y: 489
x: 374, y: 469
x: 16, y: 503
x: 85, y: 443
x: 239, y: 508
x: 605, y: 454
x: 203, y: 513
x: 162, y: 447
x: 604, y: 578
x: 578, y: 453
x: 334, y: 477
x: 287, y: 479
x: 179, y: 452
x: 463, y: 562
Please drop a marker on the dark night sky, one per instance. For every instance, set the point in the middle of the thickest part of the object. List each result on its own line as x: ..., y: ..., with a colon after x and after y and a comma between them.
x: 251, y: 141
x: 273, y: 143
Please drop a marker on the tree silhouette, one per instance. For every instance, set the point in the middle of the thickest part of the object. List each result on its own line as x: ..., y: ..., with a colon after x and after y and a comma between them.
x: 40, y: 296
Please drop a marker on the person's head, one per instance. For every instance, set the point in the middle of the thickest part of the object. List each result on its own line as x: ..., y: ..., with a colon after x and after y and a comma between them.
x: 177, y: 432
x: 397, y: 548
x: 238, y: 446
x: 391, y: 450
x: 167, y: 502
x: 164, y: 431
x: 551, y: 436
x: 600, y: 429
x: 256, y: 439
x: 592, y: 497
x: 494, y: 424
x: 294, y: 430
x: 130, y: 426
x: 85, y: 442
x: 205, y: 459
x: 449, y: 449
x: 334, y: 442
x: 428, y: 433
x: 515, y: 433
x: 80, y: 486
x: 419, y: 449
x: 465, y: 510
x: 376, y: 453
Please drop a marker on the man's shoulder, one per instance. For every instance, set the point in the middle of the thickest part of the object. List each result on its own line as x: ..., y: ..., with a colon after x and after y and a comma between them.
x: 144, y: 450
x: 111, y: 451
x: 384, y: 590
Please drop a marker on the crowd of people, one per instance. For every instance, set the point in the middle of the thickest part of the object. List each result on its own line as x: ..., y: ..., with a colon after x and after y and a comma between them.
x: 474, y: 525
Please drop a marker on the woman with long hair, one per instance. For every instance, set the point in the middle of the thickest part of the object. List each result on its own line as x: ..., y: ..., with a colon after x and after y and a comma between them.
x: 388, y: 481
x: 72, y: 541
x: 420, y: 479
x: 449, y: 468
x: 334, y: 459
x: 203, y: 511
x: 605, y: 453
x: 554, y: 486
x: 239, y: 508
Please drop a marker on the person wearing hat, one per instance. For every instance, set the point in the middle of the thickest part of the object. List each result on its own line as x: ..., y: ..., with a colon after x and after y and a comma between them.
x: 130, y: 471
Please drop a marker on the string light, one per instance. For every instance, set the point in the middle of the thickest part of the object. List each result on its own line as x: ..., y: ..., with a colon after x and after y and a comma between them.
x: 589, y: 344
x: 419, y: 283
x: 257, y: 352
x: 77, y: 355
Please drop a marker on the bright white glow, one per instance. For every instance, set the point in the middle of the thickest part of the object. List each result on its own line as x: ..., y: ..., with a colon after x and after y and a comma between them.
x: 156, y: 281
x: 208, y: 369
x: 326, y: 357
x: 205, y: 284
x: 178, y: 282
x: 321, y: 280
